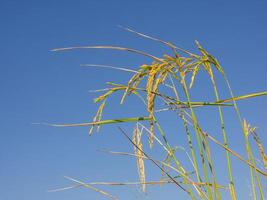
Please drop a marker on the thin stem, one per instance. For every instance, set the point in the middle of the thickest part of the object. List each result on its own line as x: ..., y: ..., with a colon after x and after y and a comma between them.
x: 175, y: 160
x: 248, y: 148
x: 198, y: 136
x: 189, y: 140
x: 178, y: 184
x: 224, y: 140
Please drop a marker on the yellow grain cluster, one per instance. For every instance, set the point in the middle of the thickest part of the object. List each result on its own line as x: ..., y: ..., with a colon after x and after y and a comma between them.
x: 153, y: 82
x: 252, y: 130
x: 140, y: 161
x: 263, y: 155
x: 261, y: 149
x: 134, y: 81
x: 246, y: 128
x: 97, y: 117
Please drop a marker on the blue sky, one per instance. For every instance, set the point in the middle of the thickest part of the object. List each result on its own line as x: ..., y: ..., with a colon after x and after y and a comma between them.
x: 38, y: 85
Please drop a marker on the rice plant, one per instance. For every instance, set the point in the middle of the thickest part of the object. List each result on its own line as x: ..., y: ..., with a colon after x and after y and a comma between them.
x: 177, y: 72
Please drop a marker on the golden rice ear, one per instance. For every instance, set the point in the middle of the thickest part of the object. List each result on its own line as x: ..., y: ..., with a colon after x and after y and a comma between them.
x: 263, y: 155
x: 138, y: 150
x: 101, y: 108
x: 97, y: 117
x: 104, y: 96
x: 128, y: 88
x: 134, y: 82
x: 195, y: 71
x: 150, y: 101
x: 252, y: 130
x: 151, y: 131
x: 260, y: 147
x: 151, y: 88
x: 169, y: 58
x: 210, y: 58
x: 247, y: 128
x: 208, y: 69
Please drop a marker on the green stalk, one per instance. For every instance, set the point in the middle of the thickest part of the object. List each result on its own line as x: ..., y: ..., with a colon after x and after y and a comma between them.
x: 224, y: 140
x: 246, y: 141
x: 110, y: 121
x: 169, y: 150
x: 189, y: 140
x: 183, y: 172
x: 204, y: 143
x: 257, y: 94
x: 194, y: 119
x: 251, y: 171
x: 208, y: 155
x: 252, y: 160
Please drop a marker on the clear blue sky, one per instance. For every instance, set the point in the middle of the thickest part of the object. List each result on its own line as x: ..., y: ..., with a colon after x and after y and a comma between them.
x: 41, y: 86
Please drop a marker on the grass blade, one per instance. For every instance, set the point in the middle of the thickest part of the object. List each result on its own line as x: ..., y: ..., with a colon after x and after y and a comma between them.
x: 257, y: 94
x: 92, y: 188
x: 111, y: 121
x: 112, y: 48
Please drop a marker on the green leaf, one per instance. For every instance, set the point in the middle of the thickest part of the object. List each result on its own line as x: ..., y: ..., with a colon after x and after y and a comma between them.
x: 243, y: 97
x: 110, y: 121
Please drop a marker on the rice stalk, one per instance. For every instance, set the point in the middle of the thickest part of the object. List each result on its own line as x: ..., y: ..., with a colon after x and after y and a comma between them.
x: 167, y: 160
x: 152, y: 160
x: 208, y: 69
x: 207, y: 135
x: 189, y: 140
x: 179, y: 67
x: 198, y: 136
x: 168, y: 152
x: 248, y: 148
x: 178, y: 164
